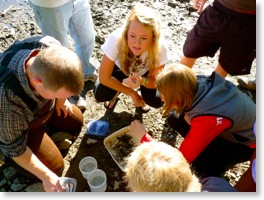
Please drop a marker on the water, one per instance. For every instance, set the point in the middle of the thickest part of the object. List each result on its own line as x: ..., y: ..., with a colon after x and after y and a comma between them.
x: 88, y: 167
x: 96, y: 181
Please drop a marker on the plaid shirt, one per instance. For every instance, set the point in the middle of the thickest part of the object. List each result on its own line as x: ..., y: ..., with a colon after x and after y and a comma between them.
x: 14, y: 113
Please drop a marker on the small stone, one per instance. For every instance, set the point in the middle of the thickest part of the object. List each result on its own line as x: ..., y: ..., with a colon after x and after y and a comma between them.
x: 116, y: 185
x: 91, y: 141
x: 65, y: 144
x: 60, y: 136
x: 16, y: 187
x: 36, y: 187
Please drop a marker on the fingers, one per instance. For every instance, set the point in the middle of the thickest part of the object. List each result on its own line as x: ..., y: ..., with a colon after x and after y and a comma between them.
x: 59, y: 112
x: 199, y: 6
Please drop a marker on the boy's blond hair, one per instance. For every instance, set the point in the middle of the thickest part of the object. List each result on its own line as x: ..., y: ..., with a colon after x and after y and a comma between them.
x: 158, y: 167
x: 59, y: 67
x: 148, y: 17
x: 178, y: 84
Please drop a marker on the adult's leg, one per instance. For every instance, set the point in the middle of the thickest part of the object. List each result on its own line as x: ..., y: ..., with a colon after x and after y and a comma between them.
x: 238, y: 44
x: 81, y: 29
x: 151, y: 97
x: 103, y: 93
x: 189, y: 62
x: 203, y: 39
x: 42, y: 145
x: 70, y: 123
x: 54, y: 21
x: 219, y: 70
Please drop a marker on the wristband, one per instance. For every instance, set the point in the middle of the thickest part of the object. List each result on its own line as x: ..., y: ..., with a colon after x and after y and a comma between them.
x: 145, y: 81
x: 146, y: 138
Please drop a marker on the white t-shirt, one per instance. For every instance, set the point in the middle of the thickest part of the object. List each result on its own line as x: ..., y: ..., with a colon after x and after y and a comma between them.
x: 110, y: 49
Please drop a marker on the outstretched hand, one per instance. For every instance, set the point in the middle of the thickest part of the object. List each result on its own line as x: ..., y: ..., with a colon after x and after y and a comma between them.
x: 137, y: 129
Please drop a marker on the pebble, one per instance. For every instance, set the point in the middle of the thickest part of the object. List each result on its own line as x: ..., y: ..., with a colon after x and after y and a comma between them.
x: 91, y: 141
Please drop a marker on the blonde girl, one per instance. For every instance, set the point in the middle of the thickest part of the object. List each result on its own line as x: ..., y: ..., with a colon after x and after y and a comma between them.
x: 133, y: 56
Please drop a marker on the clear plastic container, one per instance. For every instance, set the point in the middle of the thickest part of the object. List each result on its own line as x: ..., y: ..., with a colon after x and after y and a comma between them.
x: 68, y: 184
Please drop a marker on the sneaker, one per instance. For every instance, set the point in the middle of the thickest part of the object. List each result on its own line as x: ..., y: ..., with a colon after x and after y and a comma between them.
x: 91, y: 77
x: 78, y: 101
x: 250, y: 85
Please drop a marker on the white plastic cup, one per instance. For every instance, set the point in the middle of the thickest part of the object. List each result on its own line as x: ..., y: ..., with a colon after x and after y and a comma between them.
x: 97, y: 181
x: 87, y: 165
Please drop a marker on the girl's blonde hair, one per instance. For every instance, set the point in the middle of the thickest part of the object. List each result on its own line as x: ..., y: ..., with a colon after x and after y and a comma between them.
x: 148, y: 17
x: 158, y: 167
x: 59, y: 67
x: 178, y: 84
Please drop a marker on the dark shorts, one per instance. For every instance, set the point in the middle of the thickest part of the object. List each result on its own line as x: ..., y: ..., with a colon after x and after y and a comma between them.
x: 232, y: 33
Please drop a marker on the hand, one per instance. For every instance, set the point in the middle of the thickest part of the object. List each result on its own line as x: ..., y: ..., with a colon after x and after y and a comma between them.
x: 133, y: 81
x: 52, y: 183
x: 199, y: 4
x: 30, y: 162
x: 137, y: 129
x: 65, y: 106
x: 137, y: 99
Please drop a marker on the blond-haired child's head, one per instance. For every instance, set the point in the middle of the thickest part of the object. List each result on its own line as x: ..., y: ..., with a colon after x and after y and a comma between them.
x: 158, y: 167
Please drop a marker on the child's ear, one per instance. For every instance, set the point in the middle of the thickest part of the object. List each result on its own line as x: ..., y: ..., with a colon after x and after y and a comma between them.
x: 37, y: 79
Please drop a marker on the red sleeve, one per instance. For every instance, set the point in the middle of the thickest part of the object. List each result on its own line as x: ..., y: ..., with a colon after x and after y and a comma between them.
x: 203, y: 130
x: 146, y: 138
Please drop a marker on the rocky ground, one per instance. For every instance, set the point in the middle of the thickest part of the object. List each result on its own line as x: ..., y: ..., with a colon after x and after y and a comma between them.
x: 178, y: 17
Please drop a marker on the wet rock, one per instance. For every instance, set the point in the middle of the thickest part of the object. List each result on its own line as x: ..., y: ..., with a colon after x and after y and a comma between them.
x: 62, y: 139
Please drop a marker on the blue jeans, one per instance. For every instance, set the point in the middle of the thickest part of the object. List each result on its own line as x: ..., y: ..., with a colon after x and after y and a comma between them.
x: 73, y: 18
